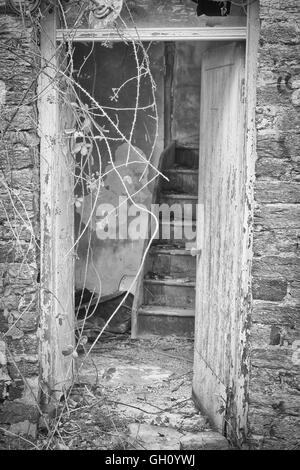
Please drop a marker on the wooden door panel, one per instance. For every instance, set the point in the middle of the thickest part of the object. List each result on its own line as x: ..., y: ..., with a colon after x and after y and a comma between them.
x: 221, y: 189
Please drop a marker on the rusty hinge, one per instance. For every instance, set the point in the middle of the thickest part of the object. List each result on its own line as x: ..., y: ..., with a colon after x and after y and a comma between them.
x: 192, y: 248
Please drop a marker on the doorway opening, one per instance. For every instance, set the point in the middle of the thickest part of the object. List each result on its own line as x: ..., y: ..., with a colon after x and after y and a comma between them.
x: 180, y: 115
x: 148, y: 118
x: 218, y: 389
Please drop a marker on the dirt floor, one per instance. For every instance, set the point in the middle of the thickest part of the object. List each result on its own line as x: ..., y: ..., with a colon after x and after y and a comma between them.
x: 130, y: 394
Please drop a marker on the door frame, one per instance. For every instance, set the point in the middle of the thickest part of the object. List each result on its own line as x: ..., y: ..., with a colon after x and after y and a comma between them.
x: 48, y: 128
x: 236, y: 407
x: 56, y: 296
x: 235, y: 33
x: 238, y: 426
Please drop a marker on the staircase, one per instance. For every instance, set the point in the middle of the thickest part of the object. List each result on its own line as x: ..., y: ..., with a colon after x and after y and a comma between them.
x: 167, y: 304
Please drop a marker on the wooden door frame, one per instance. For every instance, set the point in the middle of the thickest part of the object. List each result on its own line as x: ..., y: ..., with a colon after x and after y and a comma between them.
x: 237, y: 407
x: 48, y: 127
x: 238, y: 427
x: 234, y: 33
x: 56, y: 325
x: 48, y: 122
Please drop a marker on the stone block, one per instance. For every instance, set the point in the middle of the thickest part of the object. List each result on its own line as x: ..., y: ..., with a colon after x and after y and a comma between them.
x: 277, y: 168
x: 278, y: 145
x: 270, y: 191
x: 276, y: 242
x: 283, y: 267
x: 274, y: 289
x: 12, y: 412
x: 277, y: 216
x: 270, y: 313
x: 273, y: 357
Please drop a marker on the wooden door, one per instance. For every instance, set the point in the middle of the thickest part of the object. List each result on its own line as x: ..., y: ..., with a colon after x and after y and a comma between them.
x: 221, y: 203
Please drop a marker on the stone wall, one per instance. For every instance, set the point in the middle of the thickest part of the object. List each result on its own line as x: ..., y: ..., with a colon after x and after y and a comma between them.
x: 19, y: 186
x: 275, y: 355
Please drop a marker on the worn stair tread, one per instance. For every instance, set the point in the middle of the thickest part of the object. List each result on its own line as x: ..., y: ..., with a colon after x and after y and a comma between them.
x: 169, y: 250
x: 179, y: 195
x: 167, y: 311
x: 186, y: 148
x: 182, y: 169
x: 178, y: 281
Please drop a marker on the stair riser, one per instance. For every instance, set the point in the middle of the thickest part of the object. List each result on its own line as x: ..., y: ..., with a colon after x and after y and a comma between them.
x: 187, y: 157
x: 172, y: 264
x: 173, y: 296
x: 184, y: 182
x: 170, y: 234
x: 163, y: 325
x: 182, y: 207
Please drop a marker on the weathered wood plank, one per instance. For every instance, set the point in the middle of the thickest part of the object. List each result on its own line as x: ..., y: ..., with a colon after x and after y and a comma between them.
x: 154, y: 34
x: 222, y: 193
x: 56, y: 218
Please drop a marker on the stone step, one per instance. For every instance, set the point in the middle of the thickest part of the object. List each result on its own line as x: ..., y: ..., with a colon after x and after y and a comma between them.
x: 186, y: 204
x: 179, y: 292
x: 187, y: 157
x: 165, y: 321
x: 171, y: 261
x: 181, y: 179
